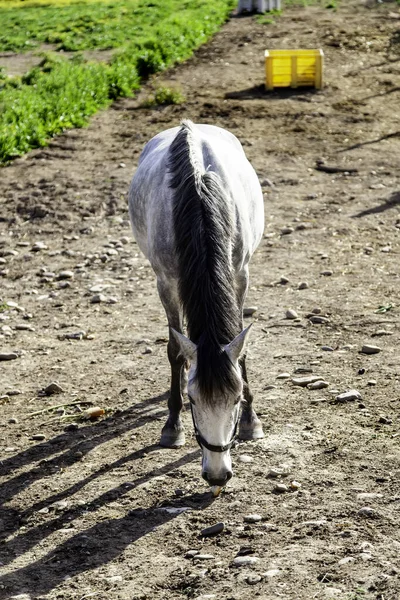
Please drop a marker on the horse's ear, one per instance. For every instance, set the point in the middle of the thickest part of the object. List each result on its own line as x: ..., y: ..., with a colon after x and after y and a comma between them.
x: 187, y: 348
x: 237, y: 347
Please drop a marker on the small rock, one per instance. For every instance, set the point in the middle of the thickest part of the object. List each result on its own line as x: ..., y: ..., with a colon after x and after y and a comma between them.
x: 345, y: 560
x: 317, y: 310
x: 115, y: 579
x: 98, y: 298
x: 249, y: 310
x: 267, y: 183
x: 283, y: 376
x: 147, y: 350
x: 368, y: 495
x: 327, y: 273
x: 71, y: 427
x: 13, y: 421
x: 385, y: 420
x: 191, y: 553
x: 204, y: 556
x: 283, y: 280
x: 327, y: 348
x: 318, y: 385
x: 349, y: 396
x: 125, y: 240
x: 295, y: 485
x: 303, y: 285
x: 244, y: 561
x: 14, y: 393
x: 38, y: 437
x: 291, y: 314
x: 280, y: 488
x: 369, y: 349
x: 53, y: 388
x: 253, y: 579
x: 24, y: 327
x: 371, y: 382
x: 245, y: 458
x: 367, y: 511
x: 8, y: 356
x: 65, y: 275
x: 122, y: 165
x: 271, y: 573
x: 252, y: 518
x: 287, y: 230
x: 38, y: 246
x: 271, y: 387
x: 318, y: 320
x: 305, y: 381
x: 213, y: 530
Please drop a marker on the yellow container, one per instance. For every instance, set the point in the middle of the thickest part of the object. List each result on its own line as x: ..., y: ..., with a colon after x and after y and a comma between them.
x: 293, y: 68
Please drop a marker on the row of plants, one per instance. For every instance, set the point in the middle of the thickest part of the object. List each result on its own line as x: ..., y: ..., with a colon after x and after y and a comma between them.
x: 63, y: 92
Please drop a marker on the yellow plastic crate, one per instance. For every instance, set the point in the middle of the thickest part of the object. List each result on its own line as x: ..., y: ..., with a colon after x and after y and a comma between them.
x: 293, y: 68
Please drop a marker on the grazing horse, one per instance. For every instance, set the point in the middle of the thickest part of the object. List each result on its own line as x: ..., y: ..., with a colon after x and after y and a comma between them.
x: 197, y: 214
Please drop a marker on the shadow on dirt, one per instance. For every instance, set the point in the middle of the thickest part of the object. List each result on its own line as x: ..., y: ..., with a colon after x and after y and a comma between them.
x: 259, y: 92
x: 376, y: 141
x: 101, y: 543
x: 392, y: 202
x: 74, y: 446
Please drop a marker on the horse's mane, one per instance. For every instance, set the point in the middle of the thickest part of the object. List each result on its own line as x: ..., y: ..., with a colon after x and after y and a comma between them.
x: 204, y: 233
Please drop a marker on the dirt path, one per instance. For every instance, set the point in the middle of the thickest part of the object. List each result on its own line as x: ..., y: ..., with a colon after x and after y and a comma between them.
x: 97, y: 510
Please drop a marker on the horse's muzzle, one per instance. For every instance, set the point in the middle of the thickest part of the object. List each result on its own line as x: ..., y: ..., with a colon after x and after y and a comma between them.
x: 219, y: 481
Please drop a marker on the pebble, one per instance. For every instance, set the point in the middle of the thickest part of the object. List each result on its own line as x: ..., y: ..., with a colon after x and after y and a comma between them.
x: 37, y: 246
x: 327, y: 273
x: 204, y: 556
x: 115, y: 579
x: 147, y: 350
x: 245, y: 458
x: 385, y: 420
x: 252, y: 518
x: 4, y: 398
x: 53, y: 388
x: 367, y: 511
x: 65, y: 275
x: 327, y: 348
x: 345, y: 560
x: 291, y: 314
x: 295, y: 485
x: 283, y: 280
x: 24, y: 327
x: 371, y: 382
x: 369, y: 349
x: 253, y: 579
x: 38, y: 437
x: 318, y: 385
x: 368, y: 495
x: 8, y: 356
x: 318, y: 319
x: 13, y: 421
x: 283, y: 376
x: 125, y: 240
x: 71, y: 427
x: 213, y: 530
x: 287, y: 230
x: 249, y: 310
x: 270, y: 387
x: 280, y: 488
x: 243, y: 561
x: 303, y: 285
x: 98, y: 298
x: 191, y: 553
x: 349, y: 396
x: 305, y: 381
x: 271, y: 573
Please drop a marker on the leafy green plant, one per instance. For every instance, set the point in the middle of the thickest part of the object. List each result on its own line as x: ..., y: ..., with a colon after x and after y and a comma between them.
x: 164, y: 96
x: 61, y: 93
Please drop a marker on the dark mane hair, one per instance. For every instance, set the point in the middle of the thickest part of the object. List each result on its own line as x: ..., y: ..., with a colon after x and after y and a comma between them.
x: 204, y: 235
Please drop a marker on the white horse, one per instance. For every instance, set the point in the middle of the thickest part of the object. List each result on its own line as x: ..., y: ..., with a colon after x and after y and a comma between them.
x: 197, y: 213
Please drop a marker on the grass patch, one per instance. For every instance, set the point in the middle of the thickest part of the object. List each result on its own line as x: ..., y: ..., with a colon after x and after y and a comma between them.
x: 164, y: 96
x: 61, y: 93
x: 268, y: 18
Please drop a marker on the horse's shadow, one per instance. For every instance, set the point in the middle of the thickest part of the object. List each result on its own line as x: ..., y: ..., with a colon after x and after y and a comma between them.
x: 96, y: 546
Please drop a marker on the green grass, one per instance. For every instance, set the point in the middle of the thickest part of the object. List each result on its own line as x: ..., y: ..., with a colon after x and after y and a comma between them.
x: 61, y: 93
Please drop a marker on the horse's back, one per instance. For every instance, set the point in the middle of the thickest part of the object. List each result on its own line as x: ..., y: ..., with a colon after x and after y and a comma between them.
x: 151, y: 197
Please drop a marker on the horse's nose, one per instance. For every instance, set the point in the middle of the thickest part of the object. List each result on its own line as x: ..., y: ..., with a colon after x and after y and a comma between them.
x: 220, y: 481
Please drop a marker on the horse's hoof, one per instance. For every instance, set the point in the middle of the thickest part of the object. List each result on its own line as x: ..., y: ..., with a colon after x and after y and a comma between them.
x: 172, y: 438
x: 250, y: 430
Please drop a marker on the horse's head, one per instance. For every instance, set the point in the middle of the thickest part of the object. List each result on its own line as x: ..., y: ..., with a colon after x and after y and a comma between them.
x: 216, y: 415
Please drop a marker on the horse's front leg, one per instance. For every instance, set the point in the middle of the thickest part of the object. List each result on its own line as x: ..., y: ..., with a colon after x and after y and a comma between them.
x: 173, y: 435
x: 250, y: 427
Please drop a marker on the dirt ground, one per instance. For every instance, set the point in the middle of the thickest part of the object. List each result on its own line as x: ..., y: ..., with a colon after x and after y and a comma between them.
x: 98, y: 509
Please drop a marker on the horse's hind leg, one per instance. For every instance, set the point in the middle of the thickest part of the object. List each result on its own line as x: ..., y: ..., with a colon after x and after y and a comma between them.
x: 250, y: 427
x: 173, y: 435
